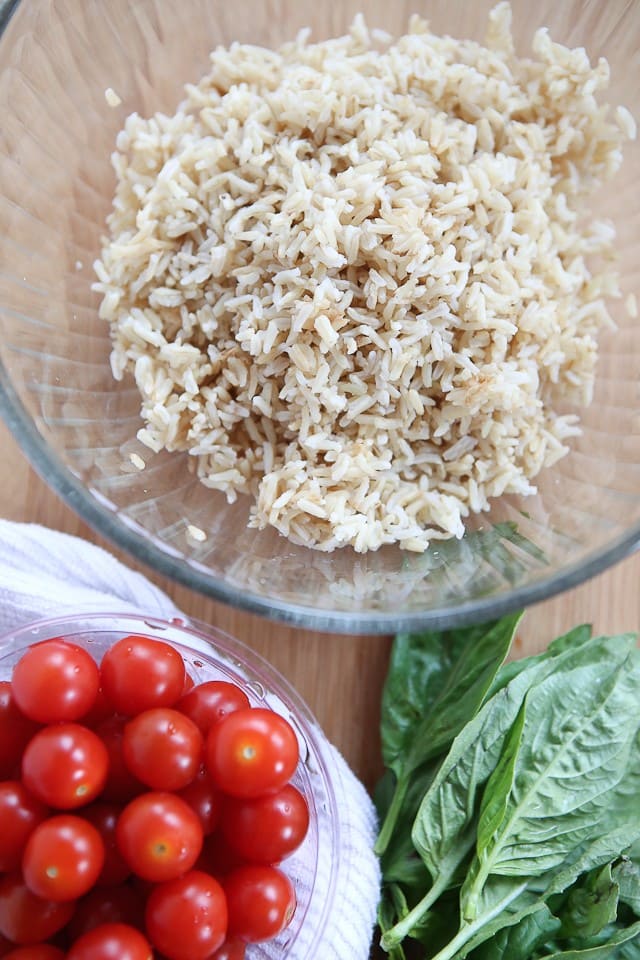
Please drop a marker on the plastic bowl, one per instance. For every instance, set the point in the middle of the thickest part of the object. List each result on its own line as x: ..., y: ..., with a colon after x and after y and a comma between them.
x: 212, y: 655
x: 78, y: 426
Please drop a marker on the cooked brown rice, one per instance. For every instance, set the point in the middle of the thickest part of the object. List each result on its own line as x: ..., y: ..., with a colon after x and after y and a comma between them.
x: 354, y: 279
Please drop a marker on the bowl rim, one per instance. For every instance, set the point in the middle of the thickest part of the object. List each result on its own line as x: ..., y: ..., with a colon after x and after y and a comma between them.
x: 107, y: 523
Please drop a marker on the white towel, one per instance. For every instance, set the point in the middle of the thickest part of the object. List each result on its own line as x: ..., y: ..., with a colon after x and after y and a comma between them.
x: 47, y: 574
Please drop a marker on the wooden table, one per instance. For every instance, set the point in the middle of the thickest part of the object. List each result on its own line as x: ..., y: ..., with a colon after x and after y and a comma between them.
x: 340, y: 677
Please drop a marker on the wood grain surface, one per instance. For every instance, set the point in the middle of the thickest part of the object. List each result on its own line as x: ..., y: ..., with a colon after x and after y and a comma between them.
x: 340, y: 677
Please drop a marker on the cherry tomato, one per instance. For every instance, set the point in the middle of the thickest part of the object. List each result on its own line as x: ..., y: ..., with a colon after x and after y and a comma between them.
x: 266, y: 829
x: 55, y: 681
x: 20, y: 814
x: 251, y: 752
x: 211, y: 701
x: 15, y: 732
x: 5, y: 946
x: 162, y: 748
x: 121, y: 785
x: 115, y: 905
x: 261, y: 902
x: 159, y: 836
x: 104, y: 817
x: 40, y: 951
x: 204, y: 800
x: 189, y: 684
x: 101, y: 710
x: 186, y: 919
x: 63, y: 858
x: 231, y: 950
x: 65, y: 765
x: 217, y: 857
x: 26, y: 918
x: 111, y: 941
x: 139, y: 673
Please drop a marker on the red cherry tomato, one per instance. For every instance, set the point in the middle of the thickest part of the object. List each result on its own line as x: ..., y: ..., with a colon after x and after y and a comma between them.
x: 162, y: 748
x: 104, y: 817
x: 5, y: 946
x: 65, y: 765
x: 15, y: 732
x: 26, y: 918
x: 55, y: 681
x: 204, y: 800
x: 186, y: 919
x: 251, y: 752
x: 111, y: 941
x: 139, y: 673
x: 63, y: 858
x: 20, y: 814
x: 121, y: 785
x: 261, y: 902
x: 40, y: 951
x: 217, y: 857
x: 189, y: 684
x: 231, y: 950
x: 101, y: 710
x: 114, y: 905
x: 209, y: 702
x: 159, y: 836
x: 266, y: 829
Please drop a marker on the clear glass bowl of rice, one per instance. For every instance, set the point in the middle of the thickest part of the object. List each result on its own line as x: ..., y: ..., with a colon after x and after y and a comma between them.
x: 330, y: 359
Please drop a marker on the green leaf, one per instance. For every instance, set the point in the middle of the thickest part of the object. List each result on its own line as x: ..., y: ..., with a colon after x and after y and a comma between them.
x: 627, y: 875
x: 387, y: 917
x: 436, y: 683
x: 383, y: 793
x: 495, y: 800
x: 592, y: 854
x: 605, y: 951
x: 520, y: 940
x: 591, y: 904
x: 444, y: 830
x: 575, y: 746
x: 574, y: 638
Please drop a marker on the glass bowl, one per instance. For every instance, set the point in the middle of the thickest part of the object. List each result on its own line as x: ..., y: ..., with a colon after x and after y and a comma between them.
x: 79, y: 427
x: 212, y: 655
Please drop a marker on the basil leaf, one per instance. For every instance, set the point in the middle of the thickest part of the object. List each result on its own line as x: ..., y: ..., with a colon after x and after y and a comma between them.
x: 495, y: 800
x: 627, y: 875
x: 591, y: 905
x: 574, y: 638
x: 605, y: 951
x: 444, y: 829
x: 436, y: 682
x: 387, y: 917
x: 521, y: 939
x: 542, y: 889
x: 575, y: 744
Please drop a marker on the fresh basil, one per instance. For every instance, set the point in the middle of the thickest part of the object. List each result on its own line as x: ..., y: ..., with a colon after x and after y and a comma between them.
x: 591, y: 905
x: 510, y: 805
x: 521, y: 939
x: 436, y: 681
x: 627, y: 875
x: 605, y: 951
